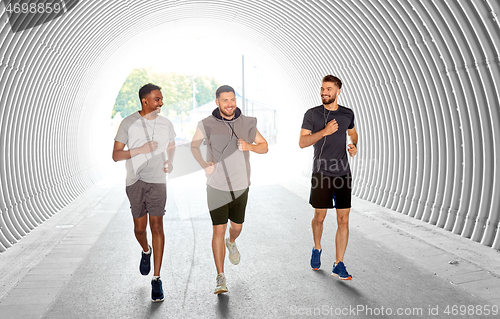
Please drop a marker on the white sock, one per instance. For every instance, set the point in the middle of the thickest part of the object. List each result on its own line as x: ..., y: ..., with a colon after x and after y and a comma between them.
x: 147, y: 252
x: 156, y: 277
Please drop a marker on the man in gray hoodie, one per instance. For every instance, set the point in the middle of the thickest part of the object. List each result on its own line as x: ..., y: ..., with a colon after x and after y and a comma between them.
x: 230, y: 136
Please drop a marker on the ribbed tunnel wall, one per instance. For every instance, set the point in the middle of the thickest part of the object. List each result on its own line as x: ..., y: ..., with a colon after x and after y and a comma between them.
x: 422, y: 77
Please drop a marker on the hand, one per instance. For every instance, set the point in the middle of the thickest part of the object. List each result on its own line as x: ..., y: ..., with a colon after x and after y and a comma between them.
x: 331, y: 127
x: 244, y: 146
x: 148, y: 147
x: 168, y: 166
x: 352, y: 149
x: 209, y: 169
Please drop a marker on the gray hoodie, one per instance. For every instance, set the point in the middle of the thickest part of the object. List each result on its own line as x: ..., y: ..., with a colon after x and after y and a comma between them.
x: 232, y: 166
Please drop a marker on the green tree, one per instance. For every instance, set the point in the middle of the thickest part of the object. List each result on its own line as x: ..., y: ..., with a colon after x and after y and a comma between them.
x: 205, y: 88
x: 177, y: 91
x: 127, y: 101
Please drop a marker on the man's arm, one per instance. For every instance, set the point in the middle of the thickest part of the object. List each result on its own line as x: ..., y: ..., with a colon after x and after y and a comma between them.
x: 354, y: 141
x: 171, y: 151
x: 307, y: 139
x: 119, y: 154
x: 259, y: 146
x: 170, y: 158
x: 195, y: 149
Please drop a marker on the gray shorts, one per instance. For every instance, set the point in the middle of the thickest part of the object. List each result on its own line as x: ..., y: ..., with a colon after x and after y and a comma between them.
x: 147, y: 198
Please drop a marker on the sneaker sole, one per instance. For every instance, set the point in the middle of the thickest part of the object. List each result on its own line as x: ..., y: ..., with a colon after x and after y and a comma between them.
x: 220, y: 291
x: 341, y: 278
x: 157, y: 300
x: 315, y: 269
x: 235, y: 263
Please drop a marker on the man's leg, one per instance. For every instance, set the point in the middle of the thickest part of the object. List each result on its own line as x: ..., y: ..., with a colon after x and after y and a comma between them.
x: 342, y: 235
x: 236, y: 216
x: 317, y: 226
x: 140, y: 225
x: 158, y: 239
x: 218, y: 247
x: 156, y: 224
x: 234, y: 231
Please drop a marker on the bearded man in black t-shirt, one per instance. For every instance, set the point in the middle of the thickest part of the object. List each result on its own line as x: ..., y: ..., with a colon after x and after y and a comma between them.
x: 326, y: 127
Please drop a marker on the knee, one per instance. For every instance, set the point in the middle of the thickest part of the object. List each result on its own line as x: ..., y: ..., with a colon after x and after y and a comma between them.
x: 319, y: 219
x: 343, y: 221
x: 157, y: 228
x: 139, y: 230
x: 236, y: 227
x: 219, y: 230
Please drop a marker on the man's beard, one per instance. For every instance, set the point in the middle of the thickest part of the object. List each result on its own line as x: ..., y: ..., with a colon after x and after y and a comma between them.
x: 226, y: 114
x: 330, y: 101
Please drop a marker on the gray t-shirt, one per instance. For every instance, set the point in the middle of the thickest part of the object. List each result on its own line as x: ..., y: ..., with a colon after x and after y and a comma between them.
x: 132, y: 132
x: 222, y: 136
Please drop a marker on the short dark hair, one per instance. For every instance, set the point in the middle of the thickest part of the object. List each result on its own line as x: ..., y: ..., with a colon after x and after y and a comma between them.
x: 146, y: 89
x: 333, y: 79
x: 222, y: 89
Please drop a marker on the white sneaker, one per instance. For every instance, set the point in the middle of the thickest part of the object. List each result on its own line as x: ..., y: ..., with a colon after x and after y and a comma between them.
x: 234, y: 254
x: 221, y: 284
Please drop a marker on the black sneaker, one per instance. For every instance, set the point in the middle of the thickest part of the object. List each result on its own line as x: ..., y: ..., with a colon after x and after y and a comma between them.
x: 157, y: 290
x: 145, y: 266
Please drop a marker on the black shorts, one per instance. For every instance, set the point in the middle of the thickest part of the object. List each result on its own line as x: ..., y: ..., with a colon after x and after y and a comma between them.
x: 147, y: 198
x: 330, y: 192
x: 222, y: 206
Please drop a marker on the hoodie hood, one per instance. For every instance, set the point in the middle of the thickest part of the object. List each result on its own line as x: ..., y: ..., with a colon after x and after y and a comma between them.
x: 216, y: 114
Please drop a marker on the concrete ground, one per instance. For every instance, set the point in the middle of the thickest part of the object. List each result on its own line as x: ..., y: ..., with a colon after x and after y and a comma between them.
x: 83, y: 262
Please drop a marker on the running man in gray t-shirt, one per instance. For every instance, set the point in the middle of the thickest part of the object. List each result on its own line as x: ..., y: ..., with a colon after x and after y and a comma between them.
x: 148, y: 136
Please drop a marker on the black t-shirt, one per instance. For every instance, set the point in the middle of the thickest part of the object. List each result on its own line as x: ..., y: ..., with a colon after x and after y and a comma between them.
x: 330, y: 155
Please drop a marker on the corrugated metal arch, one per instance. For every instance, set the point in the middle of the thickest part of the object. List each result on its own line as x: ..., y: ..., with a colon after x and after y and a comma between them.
x: 422, y: 76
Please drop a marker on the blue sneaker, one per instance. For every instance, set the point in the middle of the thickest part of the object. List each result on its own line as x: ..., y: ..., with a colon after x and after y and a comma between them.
x: 316, y: 259
x: 157, y: 290
x: 340, y: 271
x: 145, y: 266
